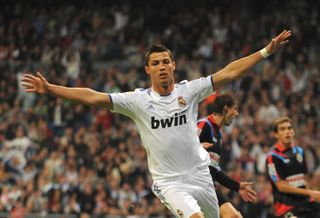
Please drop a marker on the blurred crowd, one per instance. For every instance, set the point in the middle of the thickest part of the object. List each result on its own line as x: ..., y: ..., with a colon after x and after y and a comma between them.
x: 57, y: 156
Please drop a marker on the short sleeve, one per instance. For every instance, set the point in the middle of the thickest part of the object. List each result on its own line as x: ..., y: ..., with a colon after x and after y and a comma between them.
x: 124, y: 103
x: 202, y: 87
x: 274, y: 169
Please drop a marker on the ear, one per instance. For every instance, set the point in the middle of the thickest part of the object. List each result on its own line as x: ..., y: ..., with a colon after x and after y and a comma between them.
x: 294, y: 133
x: 146, y: 68
x: 174, y: 66
x: 275, y: 134
x: 225, y: 109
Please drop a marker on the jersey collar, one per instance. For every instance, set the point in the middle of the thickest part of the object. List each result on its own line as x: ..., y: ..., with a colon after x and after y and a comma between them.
x: 281, y: 147
x: 213, y: 121
x: 156, y: 94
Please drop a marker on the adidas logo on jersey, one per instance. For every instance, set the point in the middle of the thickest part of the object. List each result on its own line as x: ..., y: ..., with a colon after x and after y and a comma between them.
x: 150, y: 107
x: 176, y: 120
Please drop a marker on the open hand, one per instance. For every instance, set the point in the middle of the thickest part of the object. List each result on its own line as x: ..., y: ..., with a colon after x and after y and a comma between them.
x: 279, y: 41
x: 37, y: 84
x: 246, y: 192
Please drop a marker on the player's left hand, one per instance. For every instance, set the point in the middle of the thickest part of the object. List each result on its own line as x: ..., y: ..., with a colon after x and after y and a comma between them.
x: 278, y: 41
x: 246, y: 192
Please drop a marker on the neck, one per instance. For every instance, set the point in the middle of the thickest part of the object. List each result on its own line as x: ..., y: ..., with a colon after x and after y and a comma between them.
x: 218, y: 118
x: 163, y: 90
x: 287, y: 145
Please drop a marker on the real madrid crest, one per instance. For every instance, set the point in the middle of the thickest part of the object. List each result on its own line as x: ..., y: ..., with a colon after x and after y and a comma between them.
x: 299, y: 158
x: 181, y: 101
x: 180, y: 213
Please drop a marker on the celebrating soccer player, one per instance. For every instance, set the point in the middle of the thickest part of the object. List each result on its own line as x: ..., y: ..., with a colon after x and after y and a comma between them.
x: 165, y: 115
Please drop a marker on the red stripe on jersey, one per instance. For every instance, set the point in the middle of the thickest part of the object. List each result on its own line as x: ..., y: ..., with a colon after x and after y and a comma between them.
x: 201, y: 124
x: 269, y: 158
x: 281, y: 208
x: 279, y: 153
x: 281, y: 147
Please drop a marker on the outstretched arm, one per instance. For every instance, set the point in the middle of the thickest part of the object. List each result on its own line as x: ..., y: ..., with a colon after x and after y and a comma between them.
x: 243, y: 188
x: 239, y: 67
x: 284, y: 187
x: 39, y: 84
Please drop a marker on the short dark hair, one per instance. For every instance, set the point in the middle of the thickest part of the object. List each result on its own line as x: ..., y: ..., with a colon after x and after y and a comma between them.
x: 279, y: 121
x: 153, y: 48
x: 221, y: 101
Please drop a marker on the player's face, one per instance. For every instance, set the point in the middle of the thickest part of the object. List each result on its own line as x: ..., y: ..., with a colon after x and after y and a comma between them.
x: 285, y: 133
x: 160, y: 68
x: 230, y: 115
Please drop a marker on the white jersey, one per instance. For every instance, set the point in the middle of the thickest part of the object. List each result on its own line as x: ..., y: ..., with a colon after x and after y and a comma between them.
x: 168, y: 126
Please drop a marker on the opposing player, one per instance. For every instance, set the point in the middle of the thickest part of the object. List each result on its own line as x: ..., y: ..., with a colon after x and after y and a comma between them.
x: 166, y: 116
x: 286, y: 169
x: 224, y: 111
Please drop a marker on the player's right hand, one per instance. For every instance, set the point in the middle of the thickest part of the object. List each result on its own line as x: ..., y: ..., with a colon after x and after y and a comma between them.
x: 315, y: 195
x: 246, y: 192
x: 206, y: 145
x: 37, y: 84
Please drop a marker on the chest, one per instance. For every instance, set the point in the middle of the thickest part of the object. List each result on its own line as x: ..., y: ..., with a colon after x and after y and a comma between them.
x: 292, y: 164
x: 212, y: 134
x: 166, y: 106
x: 167, y: 112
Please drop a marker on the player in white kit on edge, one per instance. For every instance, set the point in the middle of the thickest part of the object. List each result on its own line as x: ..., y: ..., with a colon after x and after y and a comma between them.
x: 166, y: 118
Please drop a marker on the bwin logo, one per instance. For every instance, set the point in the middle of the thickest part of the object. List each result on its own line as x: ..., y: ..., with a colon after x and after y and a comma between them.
x: 176, y: 120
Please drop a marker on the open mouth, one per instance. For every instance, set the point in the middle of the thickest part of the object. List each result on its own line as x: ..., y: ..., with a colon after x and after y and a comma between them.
x: 163, y: 75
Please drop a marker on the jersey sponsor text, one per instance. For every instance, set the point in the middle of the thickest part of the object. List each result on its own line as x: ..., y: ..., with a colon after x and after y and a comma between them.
x: 177, y: 120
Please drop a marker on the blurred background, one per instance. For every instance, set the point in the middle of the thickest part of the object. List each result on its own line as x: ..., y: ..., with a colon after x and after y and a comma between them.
x: 62, y: 159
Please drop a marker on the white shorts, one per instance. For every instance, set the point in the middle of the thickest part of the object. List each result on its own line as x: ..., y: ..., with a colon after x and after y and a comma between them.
x: 190, y: 193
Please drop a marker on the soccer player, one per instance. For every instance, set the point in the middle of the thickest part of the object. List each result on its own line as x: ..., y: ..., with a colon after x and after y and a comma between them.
x: 166, y: 115
x: 224, y: 111
x: 286, y: 169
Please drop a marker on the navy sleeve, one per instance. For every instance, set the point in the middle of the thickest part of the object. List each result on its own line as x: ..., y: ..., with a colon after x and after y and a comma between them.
x: 206, y: 135
x: 224, y: 180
